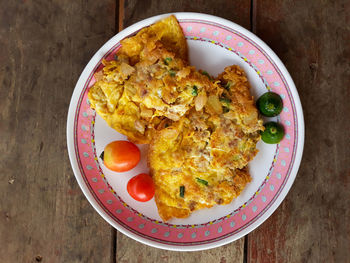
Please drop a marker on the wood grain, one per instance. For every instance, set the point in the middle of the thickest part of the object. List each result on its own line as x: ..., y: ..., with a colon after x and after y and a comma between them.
x: 130, y: 251
x: 44, y: 216
x: 237, y: 11
x: 44, y: 46
x: 313, y: 224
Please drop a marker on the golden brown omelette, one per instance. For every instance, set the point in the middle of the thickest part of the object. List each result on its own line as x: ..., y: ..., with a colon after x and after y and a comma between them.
x: 167, y: 31
x: 202, y: 159
x: 202, y: 131
x: 148, y: 83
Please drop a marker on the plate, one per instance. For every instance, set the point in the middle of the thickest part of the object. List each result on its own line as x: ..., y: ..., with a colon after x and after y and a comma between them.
x: 213, y: 44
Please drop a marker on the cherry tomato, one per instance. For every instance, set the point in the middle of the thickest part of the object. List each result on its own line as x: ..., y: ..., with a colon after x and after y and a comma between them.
x: 121, y: 156
x: 141, y: 187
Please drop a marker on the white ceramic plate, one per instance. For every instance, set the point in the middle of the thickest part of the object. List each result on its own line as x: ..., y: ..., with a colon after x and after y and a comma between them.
x: 213, y: 44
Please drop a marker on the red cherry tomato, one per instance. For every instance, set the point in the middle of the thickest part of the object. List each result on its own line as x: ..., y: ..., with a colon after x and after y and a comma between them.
x: 141, y: 187
x: 121, y: 156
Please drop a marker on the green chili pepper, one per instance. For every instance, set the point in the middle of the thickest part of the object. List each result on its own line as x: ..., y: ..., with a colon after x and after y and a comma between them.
x: 102, y: 155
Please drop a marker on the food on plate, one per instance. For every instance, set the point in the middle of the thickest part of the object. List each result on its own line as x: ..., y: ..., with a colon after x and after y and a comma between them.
x: 202, y: 130
x: 270, y: 104
x: 201, y: 160
x: 141, y: 187
x: 121, y: 156
x: 273, y: 133
x: 167, y: 32
x: 136, y: 96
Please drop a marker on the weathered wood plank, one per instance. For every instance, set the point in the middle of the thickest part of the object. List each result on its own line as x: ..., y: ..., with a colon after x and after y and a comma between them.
x: 44, y: 47
x: 129, y: 250
x: 237, y: 11
x: 313, y: 224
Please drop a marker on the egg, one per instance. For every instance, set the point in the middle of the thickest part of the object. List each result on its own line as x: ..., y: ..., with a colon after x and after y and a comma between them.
x: 201, y: 160
x: 149, y: 81
x: 202, y: 130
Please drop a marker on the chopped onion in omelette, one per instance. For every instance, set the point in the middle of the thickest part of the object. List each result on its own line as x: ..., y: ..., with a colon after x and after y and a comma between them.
x: 202, y: 131
x: 134, y: 98
x: 166, y: 31
x: 205, y: 154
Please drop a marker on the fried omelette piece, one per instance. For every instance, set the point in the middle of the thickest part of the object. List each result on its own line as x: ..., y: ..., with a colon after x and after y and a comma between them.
x: 148, y: 83
x: 167, y: 31
x: 180, y: 156
x: 206, y: 152
x: 240, y: 128
x: 134, y: 99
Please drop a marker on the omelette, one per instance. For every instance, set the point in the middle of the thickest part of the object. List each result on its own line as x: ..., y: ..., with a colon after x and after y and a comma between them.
x: 167, y: 31
x: 147, y: 83
x: 202, y: 131
x: 201, y: 160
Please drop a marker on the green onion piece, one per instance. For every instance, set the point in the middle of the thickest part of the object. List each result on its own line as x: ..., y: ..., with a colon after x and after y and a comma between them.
x: 167, y: 60
x: 102, y: 156
x: 182, y: 191
x: 206, y: 74
x: 225, y: 100
x: 201, y: 181
x: 227, y: 86
x: 115, y: 57
x: 194, y: 90
x: 236, y: 157
x: 172, y: 73
x: 225, y: 109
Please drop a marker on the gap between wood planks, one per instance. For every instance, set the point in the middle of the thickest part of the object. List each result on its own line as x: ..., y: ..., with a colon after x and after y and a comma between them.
x: 119, y: 10
x: 119, y: 25
x: 253, y: 5
x: 114, y: 246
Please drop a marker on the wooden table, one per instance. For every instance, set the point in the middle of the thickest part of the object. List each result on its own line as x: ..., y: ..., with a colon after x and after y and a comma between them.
x: 44, y: 46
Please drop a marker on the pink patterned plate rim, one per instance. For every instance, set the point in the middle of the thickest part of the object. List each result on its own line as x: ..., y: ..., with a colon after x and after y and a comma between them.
x: 213, y: 44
